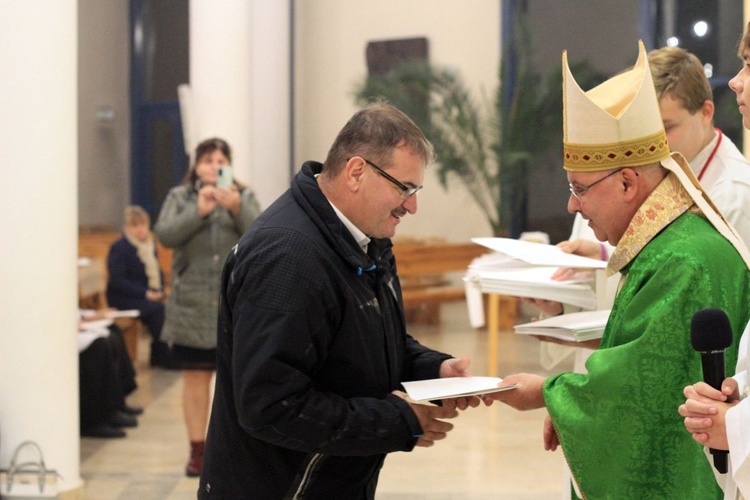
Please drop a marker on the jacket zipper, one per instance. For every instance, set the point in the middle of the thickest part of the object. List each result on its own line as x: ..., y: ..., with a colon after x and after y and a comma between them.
x: 306, y: 476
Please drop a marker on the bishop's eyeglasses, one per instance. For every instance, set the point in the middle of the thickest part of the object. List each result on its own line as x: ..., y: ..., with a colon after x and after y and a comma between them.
x: 578, y: 192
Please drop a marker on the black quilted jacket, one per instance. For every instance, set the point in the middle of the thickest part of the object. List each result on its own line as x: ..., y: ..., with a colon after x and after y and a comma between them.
x: 311, y: 342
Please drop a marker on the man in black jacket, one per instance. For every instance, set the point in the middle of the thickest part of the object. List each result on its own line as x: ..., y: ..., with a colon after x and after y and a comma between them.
x: 312, y: 346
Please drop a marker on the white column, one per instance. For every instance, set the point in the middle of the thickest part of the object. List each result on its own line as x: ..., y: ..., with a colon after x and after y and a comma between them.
x: 239, y: 76
x: 38, y: 220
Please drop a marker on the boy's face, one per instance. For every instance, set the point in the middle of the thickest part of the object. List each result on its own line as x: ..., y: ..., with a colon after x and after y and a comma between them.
x: 740, y: 84
x: 686, y: 133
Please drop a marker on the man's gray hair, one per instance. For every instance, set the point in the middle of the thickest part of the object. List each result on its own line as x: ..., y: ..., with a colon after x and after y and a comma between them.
x: 373, y: 133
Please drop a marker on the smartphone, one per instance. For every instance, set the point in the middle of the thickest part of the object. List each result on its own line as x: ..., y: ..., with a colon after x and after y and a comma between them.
x: 225, y: 177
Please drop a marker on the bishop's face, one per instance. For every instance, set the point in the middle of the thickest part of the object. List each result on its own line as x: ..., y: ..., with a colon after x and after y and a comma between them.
x: 596, y: 196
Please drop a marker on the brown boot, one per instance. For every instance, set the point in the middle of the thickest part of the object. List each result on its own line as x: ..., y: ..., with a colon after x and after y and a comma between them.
x: 195, y: 464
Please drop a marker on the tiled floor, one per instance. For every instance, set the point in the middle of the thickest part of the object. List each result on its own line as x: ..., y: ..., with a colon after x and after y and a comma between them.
x: 492, y: 453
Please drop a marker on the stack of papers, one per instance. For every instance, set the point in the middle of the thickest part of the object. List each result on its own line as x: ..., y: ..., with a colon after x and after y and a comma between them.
x: 452, y: 387
x: 524, y: 269
x: 87, y: 314
x: 574, y: 327
x: 536, y: 283
x: 123, y: 313
x: 518, y: 253
x: 96, y: 324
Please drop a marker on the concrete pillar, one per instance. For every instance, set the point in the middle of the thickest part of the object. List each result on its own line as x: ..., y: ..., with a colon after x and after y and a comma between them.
x: 38, y: 221
x: 239, y: 77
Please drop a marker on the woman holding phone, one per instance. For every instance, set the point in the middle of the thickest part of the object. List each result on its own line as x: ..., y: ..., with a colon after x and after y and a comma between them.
x: 201, y: 220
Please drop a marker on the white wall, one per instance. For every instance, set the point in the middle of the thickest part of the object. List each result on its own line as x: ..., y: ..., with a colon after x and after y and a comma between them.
x: 103, y: 84
x: 331, y: 38
x: 221, y: 76
x: 239, y: 78
x: 270, y: 142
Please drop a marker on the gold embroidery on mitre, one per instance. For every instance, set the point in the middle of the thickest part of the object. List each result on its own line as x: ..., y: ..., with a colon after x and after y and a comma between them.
x: 595, y: 157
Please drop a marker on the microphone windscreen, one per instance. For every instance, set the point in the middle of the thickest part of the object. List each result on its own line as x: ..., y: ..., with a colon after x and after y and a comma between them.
x: 710, y: 330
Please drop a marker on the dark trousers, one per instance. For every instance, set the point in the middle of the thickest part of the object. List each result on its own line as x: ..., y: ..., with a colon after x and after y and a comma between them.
x: 105, y: 376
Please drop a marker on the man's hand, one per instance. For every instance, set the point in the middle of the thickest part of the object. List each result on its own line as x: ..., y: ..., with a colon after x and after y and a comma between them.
x: 526, y: 396
x: 548, y: 307
x: 433, y: 429
x: 705, y: 412
x: 551, y: 440
x: 455, y: 367
x: 458, y: 367
x: 463, y: 402
x: 584, y: 248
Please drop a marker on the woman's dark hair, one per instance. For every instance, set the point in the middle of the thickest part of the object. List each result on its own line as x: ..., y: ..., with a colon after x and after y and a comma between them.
x: 204, y: 148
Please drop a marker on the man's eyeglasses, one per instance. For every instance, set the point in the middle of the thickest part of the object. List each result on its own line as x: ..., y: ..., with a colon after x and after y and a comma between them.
x: 578, y: 192
x: 406, y: 191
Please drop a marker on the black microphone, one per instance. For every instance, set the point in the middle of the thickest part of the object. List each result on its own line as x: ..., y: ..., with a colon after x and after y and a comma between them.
x: 710, y: 334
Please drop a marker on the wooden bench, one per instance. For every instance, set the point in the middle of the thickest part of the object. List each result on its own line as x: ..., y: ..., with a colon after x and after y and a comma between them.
x: 93, y: 244
x: 423, y: 267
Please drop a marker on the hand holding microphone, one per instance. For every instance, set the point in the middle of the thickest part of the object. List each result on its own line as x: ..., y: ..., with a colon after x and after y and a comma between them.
x: 711, y: 334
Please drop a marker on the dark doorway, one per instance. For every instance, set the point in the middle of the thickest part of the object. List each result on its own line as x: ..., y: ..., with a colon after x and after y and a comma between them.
x: 159, y: 41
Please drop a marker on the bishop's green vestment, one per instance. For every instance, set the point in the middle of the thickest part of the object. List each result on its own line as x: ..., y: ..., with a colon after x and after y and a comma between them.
x: 618, y: 424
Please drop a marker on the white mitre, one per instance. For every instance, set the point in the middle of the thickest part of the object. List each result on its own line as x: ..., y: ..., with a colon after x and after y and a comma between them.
x: 618, y: 124
x: 615, y: 124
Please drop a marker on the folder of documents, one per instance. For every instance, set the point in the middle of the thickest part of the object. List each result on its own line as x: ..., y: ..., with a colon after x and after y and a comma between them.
x: 575, y: 327
x: 524, y: 269
x: 452, y: 387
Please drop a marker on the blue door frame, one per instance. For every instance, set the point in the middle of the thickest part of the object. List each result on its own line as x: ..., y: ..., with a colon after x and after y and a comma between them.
x: 145, y: 117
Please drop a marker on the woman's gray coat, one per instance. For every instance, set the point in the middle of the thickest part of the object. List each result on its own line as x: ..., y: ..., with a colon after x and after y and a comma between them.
x: 200, y: 246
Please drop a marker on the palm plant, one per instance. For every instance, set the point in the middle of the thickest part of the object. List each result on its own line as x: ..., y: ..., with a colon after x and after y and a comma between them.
x: 490, y: 149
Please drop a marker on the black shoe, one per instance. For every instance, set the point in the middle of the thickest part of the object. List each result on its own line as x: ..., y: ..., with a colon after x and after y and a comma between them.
x: 120, y: 419
x: 103, y: 431
x: 131, y: 410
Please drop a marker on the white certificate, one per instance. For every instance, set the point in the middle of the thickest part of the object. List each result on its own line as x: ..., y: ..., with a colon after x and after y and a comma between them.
x: 452, y: 387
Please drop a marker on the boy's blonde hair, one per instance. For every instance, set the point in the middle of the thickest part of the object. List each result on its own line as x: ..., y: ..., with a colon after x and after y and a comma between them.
x: 745, y: 41
x: 678, y: 72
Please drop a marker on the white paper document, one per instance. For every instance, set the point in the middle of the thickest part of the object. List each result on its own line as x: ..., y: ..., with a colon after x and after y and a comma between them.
x: 125, y: 313
x: 96, y: 324
x: 89, y: 331
x: 538, y: 254
x: 87, y: 314
x: 575, y: 327
x: 452, y: 387
x: 536, y: 282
